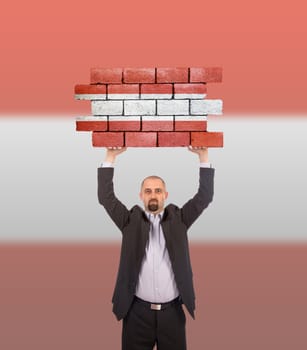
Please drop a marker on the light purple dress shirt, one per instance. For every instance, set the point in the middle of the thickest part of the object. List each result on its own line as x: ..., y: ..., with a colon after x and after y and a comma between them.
x: 156, y: 282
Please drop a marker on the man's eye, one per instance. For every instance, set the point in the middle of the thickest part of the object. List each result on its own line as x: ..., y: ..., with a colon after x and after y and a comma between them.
x: 147, y: 191
x: 158, y: 190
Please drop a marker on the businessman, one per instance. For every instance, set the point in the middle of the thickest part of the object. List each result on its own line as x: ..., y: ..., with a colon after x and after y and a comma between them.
x: 155, y: 275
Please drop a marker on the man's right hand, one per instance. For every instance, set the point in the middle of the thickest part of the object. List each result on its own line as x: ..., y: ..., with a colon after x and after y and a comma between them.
x: 112, y: 153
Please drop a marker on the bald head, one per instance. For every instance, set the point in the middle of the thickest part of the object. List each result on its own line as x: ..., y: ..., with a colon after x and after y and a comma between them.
x: 153, y: 177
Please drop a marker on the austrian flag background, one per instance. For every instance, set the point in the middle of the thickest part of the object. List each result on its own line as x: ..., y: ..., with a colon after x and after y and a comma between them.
x: 156, y: 77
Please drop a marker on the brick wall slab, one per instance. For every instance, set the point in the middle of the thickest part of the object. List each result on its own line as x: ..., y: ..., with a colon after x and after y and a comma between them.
x: 150, y: 107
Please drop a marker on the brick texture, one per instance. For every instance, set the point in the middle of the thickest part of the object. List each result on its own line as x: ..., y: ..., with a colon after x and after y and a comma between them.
x: 108, y: 139
x: 205, y: 107
x: 192, y: 124
x: 150, y: 107
x: 173, y: 139
x: 173, y: 107
x: 141, y: 139
x: 206, y: 75
x: 190, y: 91
x: 92, y: 124
x: 106, y: 75
x: 156, y: 91
x: 157, y: 124
x: 139, y: 75
x: 107, y: 107
x: 124, y: 124
x: 172, y: 75
x: 207, y: 139
x: 123, y: 91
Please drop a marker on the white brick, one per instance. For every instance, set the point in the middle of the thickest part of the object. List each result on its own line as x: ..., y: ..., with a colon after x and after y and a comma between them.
x: 92, y: 119
x: 123, y: 96
x: 173, y: 107
x: 124, y: 118
x: 206, y: 107
x: 192, y: 118
x: 141, y: 107
x: 190, y: 96
x: 158, y: 118
x: 156, y: 96
x: 107, y: 107
x: 90, y: 96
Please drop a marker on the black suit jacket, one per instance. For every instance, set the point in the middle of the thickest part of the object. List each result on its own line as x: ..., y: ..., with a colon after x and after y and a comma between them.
x: 135, y: 226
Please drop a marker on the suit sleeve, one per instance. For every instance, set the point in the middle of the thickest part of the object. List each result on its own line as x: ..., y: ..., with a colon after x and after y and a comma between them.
x: 114, y: 207
x: 195, y: 206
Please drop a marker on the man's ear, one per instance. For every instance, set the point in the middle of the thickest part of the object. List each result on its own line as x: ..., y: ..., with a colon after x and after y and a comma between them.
x: 166, y: 195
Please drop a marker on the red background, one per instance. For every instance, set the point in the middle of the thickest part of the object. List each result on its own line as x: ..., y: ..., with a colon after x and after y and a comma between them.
x: 48, y: 47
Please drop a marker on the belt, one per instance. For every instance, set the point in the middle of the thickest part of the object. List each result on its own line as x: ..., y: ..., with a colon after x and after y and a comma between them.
x: 157, y: 306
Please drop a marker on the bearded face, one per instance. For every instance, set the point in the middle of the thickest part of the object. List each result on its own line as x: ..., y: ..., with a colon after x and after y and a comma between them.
x: 153, y: 194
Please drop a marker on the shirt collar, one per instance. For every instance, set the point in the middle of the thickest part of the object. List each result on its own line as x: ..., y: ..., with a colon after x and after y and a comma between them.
x: 148, y: 214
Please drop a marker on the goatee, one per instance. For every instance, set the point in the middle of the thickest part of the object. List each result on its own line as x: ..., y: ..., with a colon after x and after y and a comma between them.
x: 153, y: 206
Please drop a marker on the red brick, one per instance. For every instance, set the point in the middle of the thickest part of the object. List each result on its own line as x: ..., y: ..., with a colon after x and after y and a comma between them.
x: 157, y: 124
x: 190, y: 125
x: 207, y: 139
x: 108, y: 139
x: 123, y: 89
x: 173, y: 139
x: 156, y: 89
x: 190, y: 88
x: 124, y: 124
x: 140, y: 139
x: 139, y: 75
x: 91, y: 125
x: 172, y: 75
x: 90, y: 89
x: 206, y: 75
x: 106, y: 75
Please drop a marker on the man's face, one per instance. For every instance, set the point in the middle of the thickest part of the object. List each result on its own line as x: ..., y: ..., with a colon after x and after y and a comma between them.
x: 153, y: 195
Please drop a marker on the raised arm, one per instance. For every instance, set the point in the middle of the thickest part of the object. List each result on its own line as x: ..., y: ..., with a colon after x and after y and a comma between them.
x: 195, y: 206
x: 112, y: 153
x: 114, y: 207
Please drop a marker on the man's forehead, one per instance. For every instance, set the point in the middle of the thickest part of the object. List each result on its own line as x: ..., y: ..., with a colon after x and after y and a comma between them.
x: 153, y: 183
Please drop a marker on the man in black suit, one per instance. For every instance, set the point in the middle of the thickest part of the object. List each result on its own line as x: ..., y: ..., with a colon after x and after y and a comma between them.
x: 155, y: 275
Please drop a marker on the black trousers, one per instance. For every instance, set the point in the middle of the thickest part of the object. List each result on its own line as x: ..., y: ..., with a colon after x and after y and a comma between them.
x: 144, y: 327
